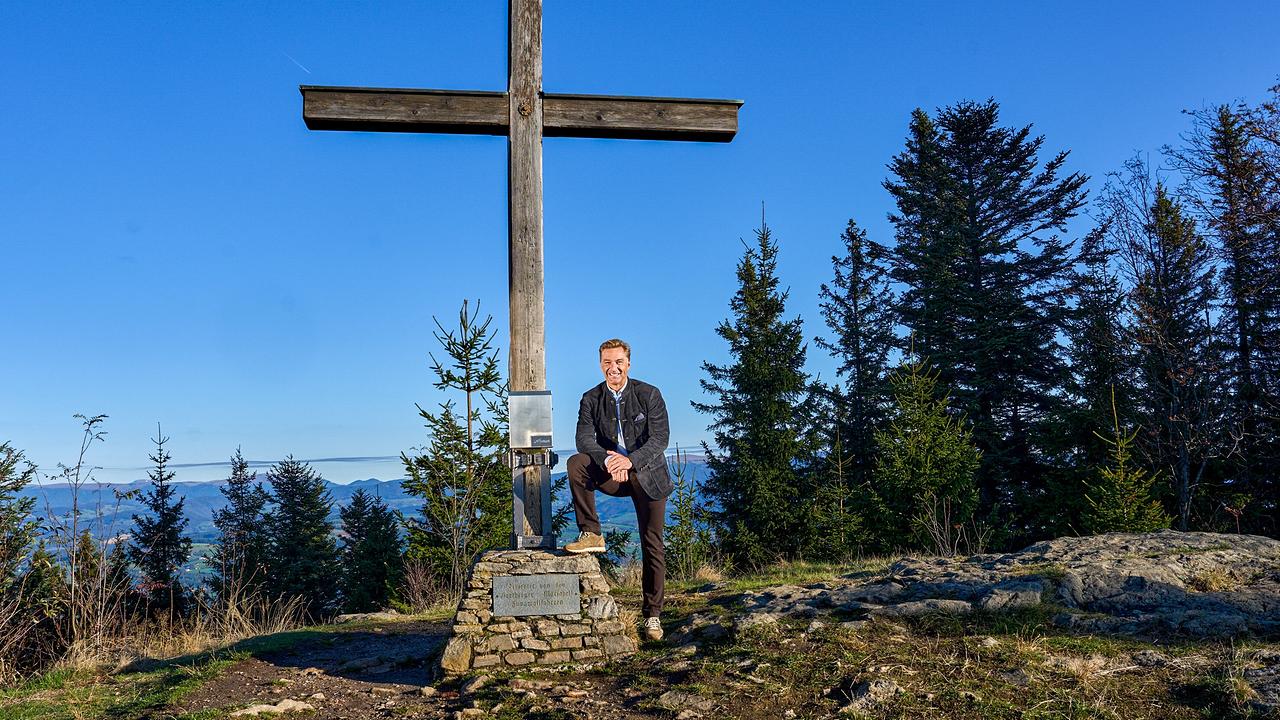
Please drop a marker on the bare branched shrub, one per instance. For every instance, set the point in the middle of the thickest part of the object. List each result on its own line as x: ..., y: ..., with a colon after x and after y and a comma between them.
x: 90, y: 585
x: 945, y: 534
x: 421, y: 589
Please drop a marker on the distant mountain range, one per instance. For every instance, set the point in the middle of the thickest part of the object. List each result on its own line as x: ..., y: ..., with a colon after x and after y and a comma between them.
x: 110, y: 508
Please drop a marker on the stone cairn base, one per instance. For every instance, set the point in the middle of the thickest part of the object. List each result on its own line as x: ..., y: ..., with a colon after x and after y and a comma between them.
x: 482, y: 639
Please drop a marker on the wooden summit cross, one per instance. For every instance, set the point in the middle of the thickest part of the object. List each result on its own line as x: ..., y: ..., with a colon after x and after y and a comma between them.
x: 525, y: 115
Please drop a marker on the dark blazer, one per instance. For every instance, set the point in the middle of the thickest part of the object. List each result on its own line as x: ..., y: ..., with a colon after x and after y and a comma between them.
x: 644, y: 430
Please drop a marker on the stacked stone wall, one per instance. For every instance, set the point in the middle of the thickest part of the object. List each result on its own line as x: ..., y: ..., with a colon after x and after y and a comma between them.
x: 484, y: 640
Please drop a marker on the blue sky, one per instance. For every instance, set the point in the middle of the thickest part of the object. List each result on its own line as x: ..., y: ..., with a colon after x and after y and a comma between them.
x: 176, y: 247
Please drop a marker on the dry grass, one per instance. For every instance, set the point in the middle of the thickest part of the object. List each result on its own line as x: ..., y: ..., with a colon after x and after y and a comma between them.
x: 209, y: 629
x: 708, y: 573
x: 1081, y: 668
x: 1213, y: 580
x: 630, y: 619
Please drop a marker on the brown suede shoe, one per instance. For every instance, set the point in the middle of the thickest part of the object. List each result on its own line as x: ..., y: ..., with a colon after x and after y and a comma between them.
x: 652, y: 628
x: 587, y: 542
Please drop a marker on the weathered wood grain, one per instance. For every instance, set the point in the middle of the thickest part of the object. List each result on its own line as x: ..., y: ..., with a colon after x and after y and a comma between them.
x: 402, y: 110
x: 640, y: 118
x: 488, y: 113
x: 524, y: 163
x: 527, y: 367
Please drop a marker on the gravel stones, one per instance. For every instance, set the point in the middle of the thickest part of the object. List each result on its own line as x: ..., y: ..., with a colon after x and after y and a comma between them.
x: 867, y: 695
x: 756, y: 622
x: 284, y: 706
x: 1265, y: 683
x: 482, y: 639
x: 676, y: 700
x: 382, y: 616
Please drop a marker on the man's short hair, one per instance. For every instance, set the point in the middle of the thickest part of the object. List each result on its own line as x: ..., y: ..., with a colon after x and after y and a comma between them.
x: 615, y: 343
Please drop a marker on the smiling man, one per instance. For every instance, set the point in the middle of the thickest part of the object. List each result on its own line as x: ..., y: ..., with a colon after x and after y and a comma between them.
x: 622, y: 440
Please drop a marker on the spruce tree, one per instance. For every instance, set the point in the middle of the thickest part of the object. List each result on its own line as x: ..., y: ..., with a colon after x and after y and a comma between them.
x: 926, y: 460
x: 857, y: 307
x: 18, y: 529
x: 304, y: 555
x: 160, y: 547
x: 1264, y: 129
x: 1101, y: 360
x: 46, y: 594
x: 756, y: 398
x: 845, y: 513
x: 461, y: 475
x: 987, y: 286
x: 20, y: 598
x: 1120, y: 497
x: 1235, y: 194
x: 240, y: 556
x: 1168, y: 267
x: 372, y: 562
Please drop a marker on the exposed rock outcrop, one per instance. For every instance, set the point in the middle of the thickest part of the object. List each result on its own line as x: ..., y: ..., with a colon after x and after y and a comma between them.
x: 1196, y: 584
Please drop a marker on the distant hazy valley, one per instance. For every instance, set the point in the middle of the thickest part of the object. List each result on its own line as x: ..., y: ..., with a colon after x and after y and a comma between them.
x: 110, y: 517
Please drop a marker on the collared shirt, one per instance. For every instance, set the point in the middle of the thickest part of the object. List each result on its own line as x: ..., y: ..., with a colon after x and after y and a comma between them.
x: 617, y: 404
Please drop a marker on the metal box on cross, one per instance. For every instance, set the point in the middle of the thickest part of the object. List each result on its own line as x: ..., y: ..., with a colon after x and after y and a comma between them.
x: 529, y: 415
x: 529, y: 424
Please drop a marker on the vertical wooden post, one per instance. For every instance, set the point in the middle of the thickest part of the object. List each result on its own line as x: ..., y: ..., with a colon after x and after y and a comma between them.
x: 527, y: 363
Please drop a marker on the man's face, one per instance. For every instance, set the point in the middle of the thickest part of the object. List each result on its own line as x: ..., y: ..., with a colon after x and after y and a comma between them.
x: 614, y: 363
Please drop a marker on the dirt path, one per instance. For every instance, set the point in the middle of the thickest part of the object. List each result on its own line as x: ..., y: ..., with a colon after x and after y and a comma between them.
x: 357, y: 673
x: 386, y: 671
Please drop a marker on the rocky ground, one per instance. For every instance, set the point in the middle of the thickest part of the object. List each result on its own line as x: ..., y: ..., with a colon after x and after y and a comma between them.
x: 1166, y: 583
x: 1163, y: 625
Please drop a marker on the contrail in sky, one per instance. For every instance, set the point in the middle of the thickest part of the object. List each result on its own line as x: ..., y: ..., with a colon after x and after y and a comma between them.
x: 295, y: 62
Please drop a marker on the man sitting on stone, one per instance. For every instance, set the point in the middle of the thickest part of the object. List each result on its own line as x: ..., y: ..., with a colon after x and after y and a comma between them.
x: 622, y: 440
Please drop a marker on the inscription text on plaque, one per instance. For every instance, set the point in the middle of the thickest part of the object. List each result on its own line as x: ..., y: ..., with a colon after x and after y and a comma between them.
x: 553, y: 594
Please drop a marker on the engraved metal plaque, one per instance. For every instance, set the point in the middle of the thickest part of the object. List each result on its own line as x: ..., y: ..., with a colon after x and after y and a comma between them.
x: 555, y: 594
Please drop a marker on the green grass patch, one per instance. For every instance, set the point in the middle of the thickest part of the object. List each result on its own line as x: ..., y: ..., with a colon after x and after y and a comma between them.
x: 147, y: 686
x: 1105, y: 646
x: 1047, y: 570
x: 68, y: 695
x: 156, y: 690
x: 803, y: 572
x: 1025, y: 621
x: 54, y: 679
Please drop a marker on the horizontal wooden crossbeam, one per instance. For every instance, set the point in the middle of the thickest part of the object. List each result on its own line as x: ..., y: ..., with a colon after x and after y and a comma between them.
x: 486, y: 113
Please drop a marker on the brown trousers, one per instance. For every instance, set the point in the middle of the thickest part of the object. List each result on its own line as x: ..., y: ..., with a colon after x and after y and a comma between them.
x: 585, y: 477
